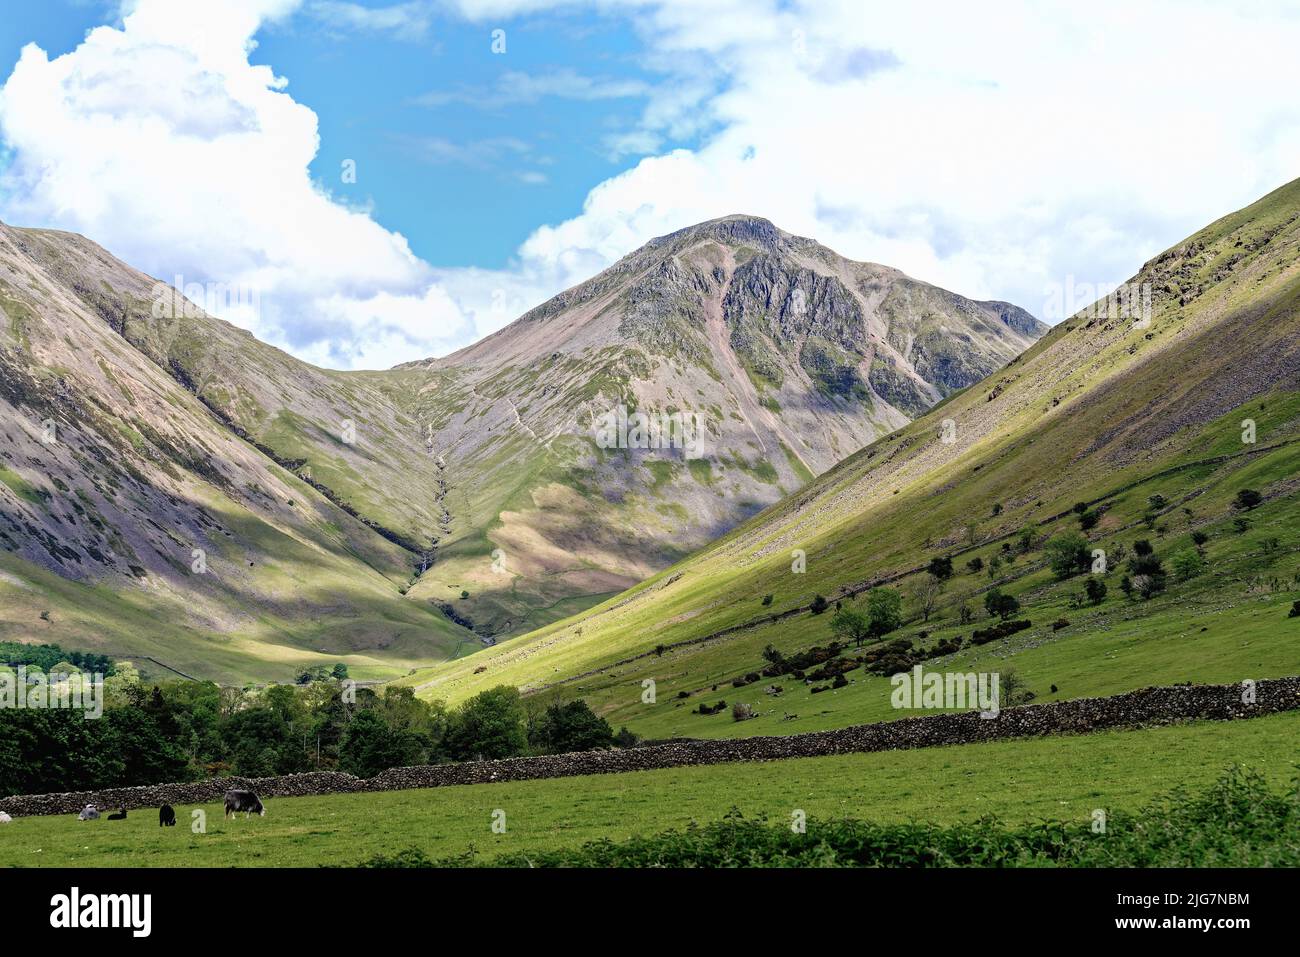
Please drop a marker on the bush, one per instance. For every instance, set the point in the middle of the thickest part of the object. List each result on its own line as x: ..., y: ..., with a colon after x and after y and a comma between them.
x: 1069, y: 555
x: 492, y: 724
x: 940, y: 568
x: 1199, y: 538
x: 572, y: 727
x: 976, y: 564
x: 1187, y: 564
x: 999, y: 605
x: 741, y: 711
x: 1247, y: 499
x: 767, y: 600
x: 1095, y: 590
x: 819, y: 604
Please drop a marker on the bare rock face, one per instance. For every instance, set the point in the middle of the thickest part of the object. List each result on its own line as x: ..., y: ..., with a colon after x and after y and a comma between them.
x: 474, y: 491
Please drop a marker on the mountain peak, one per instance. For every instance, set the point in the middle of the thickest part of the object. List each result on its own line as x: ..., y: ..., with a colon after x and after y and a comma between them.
x: 733, y: 229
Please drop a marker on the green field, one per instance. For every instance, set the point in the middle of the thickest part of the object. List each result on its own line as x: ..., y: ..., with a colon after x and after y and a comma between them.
x: 1063, y: 779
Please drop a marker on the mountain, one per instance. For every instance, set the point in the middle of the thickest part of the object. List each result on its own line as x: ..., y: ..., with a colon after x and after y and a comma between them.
x: 1148, y: 419
x: 786, y: 355
x: 132, y: 520
x: 397, y: 517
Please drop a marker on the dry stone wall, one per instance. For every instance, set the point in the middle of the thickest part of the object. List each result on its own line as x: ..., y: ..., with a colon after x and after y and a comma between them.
x: 1149, y: 706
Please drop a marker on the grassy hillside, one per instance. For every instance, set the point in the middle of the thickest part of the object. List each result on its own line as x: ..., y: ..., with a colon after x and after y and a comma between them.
x: 1143, y: 422
x: 1057, y: 779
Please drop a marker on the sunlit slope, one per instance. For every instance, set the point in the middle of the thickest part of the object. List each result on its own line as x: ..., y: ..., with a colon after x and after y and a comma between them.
x: 1104, y: 409
x: 135, y: 522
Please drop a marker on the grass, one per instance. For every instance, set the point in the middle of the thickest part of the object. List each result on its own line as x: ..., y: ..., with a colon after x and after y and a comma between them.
x: 1238, y: 821
x: 1054, y: 779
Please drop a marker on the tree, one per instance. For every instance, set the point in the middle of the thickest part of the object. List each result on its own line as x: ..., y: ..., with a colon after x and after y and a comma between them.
x: 1147, y: 571
x: 491, y: 725
x: 1025, y: 541
x: 571, y: 727
x: 927, y: 595
x: 1068, y: 555
x: 819, y: 604
x: 1247, y: 499
x: 1000, y: 605
x: 884, y: 611
x: 1187, y: 564
x: 339, y: 672
x: 941, y: 568
x: 369, y: 746
x: 1089, y: 519
x: 1095, y: 589
x: 850, y: 625
x: 976, y: 565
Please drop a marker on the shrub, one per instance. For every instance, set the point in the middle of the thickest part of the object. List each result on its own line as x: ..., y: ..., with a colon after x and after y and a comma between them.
x: 1089, y: 519
x: 741, y: 711
x: 1095, y: 590
x: 1000, y: 605
x: 1187, y: 564
x: 1068, y: 554
x: 940, y: 568
x: 767, y: 600
x: 884, y: 611
x: 492, y: 724
x: 1199, y: 538
x: 1247, y: 498
x: 976, y: 564
x: 819, y: 604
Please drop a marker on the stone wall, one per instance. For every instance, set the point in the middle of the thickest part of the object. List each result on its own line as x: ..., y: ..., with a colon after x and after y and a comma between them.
x: 1138, y: 708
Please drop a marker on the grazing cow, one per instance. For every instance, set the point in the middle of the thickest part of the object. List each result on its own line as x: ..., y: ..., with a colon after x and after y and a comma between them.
x: 89, y: 813
x: 166, y: 816
x: 245, y: 801
x: 5, y: 818
x: 119, y: 816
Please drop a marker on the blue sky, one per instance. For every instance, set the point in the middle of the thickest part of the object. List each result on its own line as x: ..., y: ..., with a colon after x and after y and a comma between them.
x: 467, y: 180
x: 1031, y: 152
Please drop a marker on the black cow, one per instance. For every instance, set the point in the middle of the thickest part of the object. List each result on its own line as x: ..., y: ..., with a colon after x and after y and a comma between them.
x: 245, y: 801
x: 119, y: 816
x: 166, y: 816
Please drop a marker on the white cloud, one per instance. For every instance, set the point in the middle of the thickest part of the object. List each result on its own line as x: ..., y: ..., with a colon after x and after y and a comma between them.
x: 516, y: 86
x: 402, y: 21
x: 160, y: 141
x: 994, y: 151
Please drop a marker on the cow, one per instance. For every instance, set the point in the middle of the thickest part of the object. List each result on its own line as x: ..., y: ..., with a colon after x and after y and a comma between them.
x: 245, y: 801
x: 166, y: 816
x: 119, y: 816
x: 89, y: 813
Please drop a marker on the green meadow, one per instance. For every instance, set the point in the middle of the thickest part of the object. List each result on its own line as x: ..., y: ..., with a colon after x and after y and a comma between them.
x: 1054, y: 779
